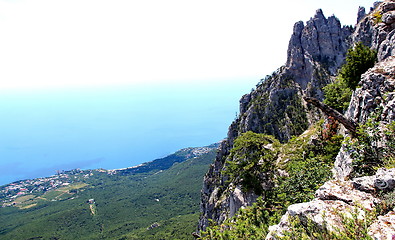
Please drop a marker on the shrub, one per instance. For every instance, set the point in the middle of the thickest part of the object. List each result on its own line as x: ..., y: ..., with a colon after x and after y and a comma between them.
x: 377, y: 15
x: 307, y: 167
x: 250, y: 223
x: 337, y: 95
x: 373, y: 148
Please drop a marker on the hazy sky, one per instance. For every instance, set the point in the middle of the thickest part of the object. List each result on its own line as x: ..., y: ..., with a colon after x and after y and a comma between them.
x: 60, y: 43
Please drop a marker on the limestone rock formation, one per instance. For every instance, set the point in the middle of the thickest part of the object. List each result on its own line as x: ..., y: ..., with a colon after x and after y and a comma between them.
x: 376, y: 94
x: 377, y: 29
x: 346, y: 197
x: 377, y: 91
x: 316, y: 51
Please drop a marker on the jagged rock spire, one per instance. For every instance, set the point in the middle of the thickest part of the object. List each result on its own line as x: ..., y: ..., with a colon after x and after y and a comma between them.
x: 322, y: 40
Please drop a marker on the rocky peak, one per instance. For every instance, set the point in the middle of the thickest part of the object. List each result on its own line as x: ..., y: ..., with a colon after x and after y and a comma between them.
x: 321, y: 41
x: 316, y: 51
x: 361, y: 14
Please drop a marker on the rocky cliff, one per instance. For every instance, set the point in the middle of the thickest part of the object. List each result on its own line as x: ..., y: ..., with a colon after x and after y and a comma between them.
x: 316, y: 51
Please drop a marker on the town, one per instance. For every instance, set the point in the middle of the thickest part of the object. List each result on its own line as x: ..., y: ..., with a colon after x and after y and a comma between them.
x: 38, y: 186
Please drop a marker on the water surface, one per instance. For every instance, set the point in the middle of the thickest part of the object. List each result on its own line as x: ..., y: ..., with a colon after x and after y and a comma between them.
x: 113, y: 127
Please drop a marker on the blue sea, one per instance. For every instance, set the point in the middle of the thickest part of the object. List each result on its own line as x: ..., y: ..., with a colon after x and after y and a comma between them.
x: 42, y: 131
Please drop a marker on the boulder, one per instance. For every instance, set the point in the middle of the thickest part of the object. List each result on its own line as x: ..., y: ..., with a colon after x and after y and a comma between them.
x: 388, y: 17
x: 337, y: 198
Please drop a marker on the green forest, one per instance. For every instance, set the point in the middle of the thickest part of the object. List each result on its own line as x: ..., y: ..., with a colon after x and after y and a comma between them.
x: 155, y: 202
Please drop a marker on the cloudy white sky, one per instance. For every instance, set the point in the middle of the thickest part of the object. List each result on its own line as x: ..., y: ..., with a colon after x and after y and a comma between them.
x: 63, y: 43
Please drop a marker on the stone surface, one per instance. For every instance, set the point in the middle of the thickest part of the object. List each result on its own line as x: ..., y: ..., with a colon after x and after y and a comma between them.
x: 377, y: 89
x: 384, y: 227
x: 343, y: 164
x: 346, y: 197
x: 376, y: 34
x: 388, y: 6
x: 389, y: 17
x: 345, y: 191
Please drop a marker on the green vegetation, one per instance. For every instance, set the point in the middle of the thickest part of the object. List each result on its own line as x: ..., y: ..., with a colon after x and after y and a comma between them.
x: 337, y: 95
x: 126, y: 205
x: 377, y: 15
x: 307, y: 167
x: 252, y: 154
x: 250, y: 223
x: 359, y: 59
x: 287, y: 111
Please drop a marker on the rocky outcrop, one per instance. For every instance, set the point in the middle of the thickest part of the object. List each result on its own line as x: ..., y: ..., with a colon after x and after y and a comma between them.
x: 316, y: 51
x: 377, y: 91
x: 338, y: 197
x: 377, y: 29
x: 376, y: 95
x: 322, y: 40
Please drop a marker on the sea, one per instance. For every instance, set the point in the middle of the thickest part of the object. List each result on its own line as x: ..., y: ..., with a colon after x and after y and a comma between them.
x: 112, y: 127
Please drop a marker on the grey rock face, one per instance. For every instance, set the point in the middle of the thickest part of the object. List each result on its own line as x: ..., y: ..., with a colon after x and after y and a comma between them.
x: 361, y: 14
x: 388, y: 6
x: 387, y: 47
x: 388, y: 17
x: 321, y: 40
x: 378, y: 34
x: 384, y: 227
x: 343, y: 164
x: 376, y: 91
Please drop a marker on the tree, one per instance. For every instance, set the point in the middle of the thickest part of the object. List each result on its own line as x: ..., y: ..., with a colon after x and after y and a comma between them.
x: 359, y: 59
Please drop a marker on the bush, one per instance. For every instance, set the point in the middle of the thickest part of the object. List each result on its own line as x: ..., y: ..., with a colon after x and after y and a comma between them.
x: 307, y: 167
x: 373, y: 148
x: 377, y: 15
x: 249, y: 224
x: 337, y: 95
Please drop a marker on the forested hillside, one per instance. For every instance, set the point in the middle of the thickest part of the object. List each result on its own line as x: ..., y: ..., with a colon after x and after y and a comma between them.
x: 158, y: 200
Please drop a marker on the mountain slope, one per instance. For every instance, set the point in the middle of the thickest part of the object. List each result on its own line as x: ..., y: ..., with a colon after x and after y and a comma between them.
x: 316, y: 51
x: 256, y: 181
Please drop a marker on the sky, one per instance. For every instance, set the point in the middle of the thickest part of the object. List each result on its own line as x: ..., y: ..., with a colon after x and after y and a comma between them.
x: 85, y: 43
